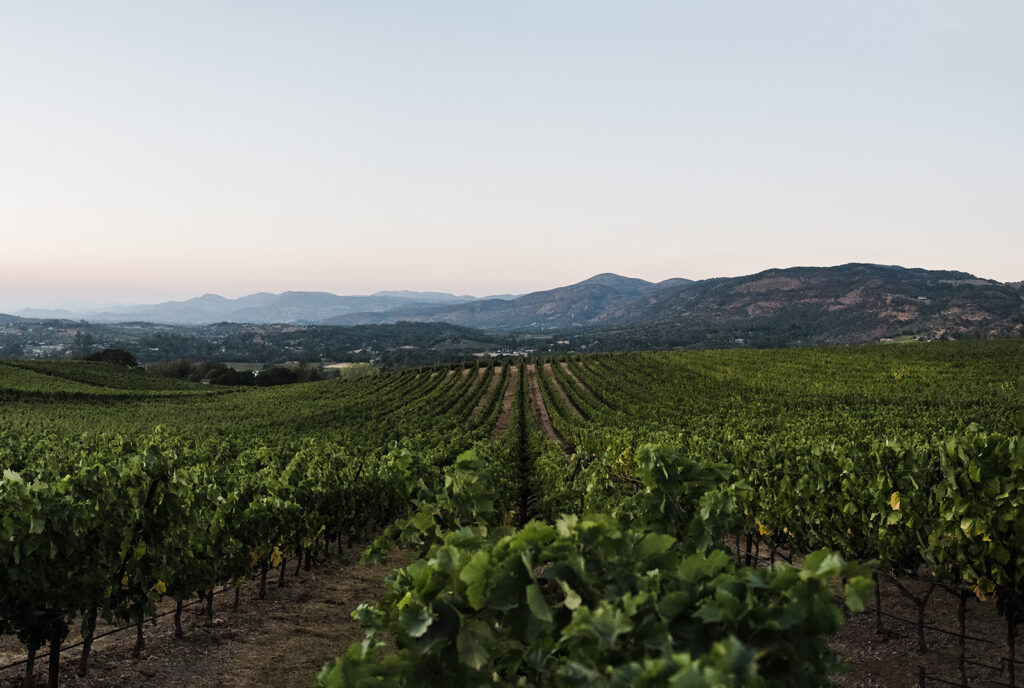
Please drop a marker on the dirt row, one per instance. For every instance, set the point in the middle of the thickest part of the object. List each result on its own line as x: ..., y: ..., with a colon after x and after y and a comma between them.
x: 486, y: 396
x: 283, y: 640
x: 886, y: 654
x: 540, y: 410
x: 583, y: 385
x: 508, y: 404
x: 559, y: 390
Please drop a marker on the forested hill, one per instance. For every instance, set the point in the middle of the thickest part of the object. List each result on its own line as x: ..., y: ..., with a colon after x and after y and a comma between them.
x: 842, y: 305
x: 781, y: 307
x: 847, y: 303
x: 263, y: 308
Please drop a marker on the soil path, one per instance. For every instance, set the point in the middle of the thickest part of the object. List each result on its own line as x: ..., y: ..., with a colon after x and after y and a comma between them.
x: 889, y: 659
x: 282, y: 640
x: 486, y: 396
x: 540, y: 411
x: 560, y: 390
x: 583, y: 385
x: 507, y: 405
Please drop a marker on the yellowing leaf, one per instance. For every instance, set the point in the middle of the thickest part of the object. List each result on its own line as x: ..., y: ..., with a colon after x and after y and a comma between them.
x: 762, y: 530
x: 160, y: 587
x: 894, y: 501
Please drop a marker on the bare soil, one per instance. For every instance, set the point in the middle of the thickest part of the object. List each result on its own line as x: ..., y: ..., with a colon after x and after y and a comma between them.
x: 886, y: 654
x: 890, y: 657
x: 486, y: 397
x: 583, y: 385
x: 286, y: 638
x: 507, y: 405
x: 282, y: 640
x: 540, y: 411
x: 559, y: 390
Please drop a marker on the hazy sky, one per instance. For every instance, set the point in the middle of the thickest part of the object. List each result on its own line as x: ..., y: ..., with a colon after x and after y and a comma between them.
x: 154, y: 150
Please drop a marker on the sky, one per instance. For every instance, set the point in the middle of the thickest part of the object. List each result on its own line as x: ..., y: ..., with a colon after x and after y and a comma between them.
x: 162, y: 150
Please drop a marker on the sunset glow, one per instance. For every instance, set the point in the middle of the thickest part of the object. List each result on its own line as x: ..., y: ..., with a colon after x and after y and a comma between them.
x: 161, y: 151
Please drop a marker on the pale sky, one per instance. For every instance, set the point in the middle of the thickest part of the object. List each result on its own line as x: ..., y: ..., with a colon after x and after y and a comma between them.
x: 159, y: 150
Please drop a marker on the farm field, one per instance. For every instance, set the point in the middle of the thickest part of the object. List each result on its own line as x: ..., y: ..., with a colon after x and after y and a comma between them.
x: 610, y: 519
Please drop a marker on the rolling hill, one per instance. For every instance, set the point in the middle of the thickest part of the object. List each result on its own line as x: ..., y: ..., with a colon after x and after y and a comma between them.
x: 841, y: 304
x: 848, y: 303
x: 263, y: 307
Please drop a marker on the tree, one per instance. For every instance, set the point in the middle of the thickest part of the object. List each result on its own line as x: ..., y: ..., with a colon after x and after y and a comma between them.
x: 116, y: 356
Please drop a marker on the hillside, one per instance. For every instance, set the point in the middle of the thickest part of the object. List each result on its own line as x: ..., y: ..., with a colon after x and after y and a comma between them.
x: 847, y: 303
x: 286, y: 307
x: 851, y: 303
x: 582, y: 303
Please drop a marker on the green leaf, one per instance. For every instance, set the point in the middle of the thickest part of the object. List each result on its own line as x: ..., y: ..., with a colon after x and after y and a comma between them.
x: 673, y: 604
x: 368, y: 616
x: 858, y: 591
x: 813, y: 560
x: 608, y: 624
x: 467, y: 457
x: 538, y: 605
x: 38, y: 524
x: 474, y: 575
x: 572, y: 598
x: 415, y: 619
x: 654, y: 544
x: 472, y: 642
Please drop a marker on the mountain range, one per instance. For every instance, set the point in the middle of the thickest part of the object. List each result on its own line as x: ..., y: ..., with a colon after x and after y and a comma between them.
x: 263, y: 307
x: 840, y: 304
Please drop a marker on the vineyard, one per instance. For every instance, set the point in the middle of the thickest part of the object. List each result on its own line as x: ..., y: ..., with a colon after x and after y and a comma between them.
x: 718, y: 518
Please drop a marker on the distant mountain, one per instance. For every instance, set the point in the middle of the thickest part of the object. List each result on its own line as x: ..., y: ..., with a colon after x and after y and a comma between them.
x: 846, y: 303
x: 426, y: 296
x: 263, y: 307
x: 780, y: 307
x: 47, y: 313
x: 857, y: 302
x: 585, y: 303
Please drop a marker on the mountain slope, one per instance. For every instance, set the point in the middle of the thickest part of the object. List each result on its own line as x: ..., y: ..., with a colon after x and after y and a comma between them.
x: 592, y: 301
x: 841, y: 304
x: 846, y: 303
x: 287, y: 307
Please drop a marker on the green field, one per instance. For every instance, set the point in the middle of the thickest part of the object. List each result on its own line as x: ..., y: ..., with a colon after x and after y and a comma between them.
x: 541, y: 496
